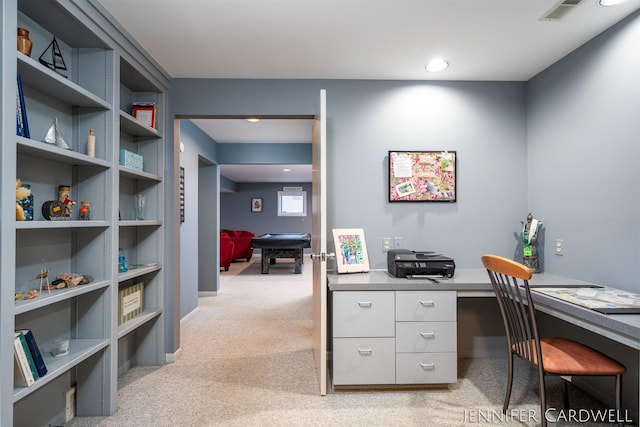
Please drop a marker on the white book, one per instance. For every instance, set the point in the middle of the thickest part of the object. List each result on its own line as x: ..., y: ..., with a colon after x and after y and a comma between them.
x: 23, y: 377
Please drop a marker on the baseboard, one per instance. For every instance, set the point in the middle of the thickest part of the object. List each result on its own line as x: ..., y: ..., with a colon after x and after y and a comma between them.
x: 189, y: 316
x: 172, y: 357
x: 207, y: 294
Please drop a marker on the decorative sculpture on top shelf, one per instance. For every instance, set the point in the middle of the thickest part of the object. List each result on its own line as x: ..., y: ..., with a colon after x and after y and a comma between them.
x: 57, y: 62
x: 530, y: 230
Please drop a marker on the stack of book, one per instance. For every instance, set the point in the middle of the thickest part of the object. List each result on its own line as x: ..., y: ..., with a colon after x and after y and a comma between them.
x: 29, y: 364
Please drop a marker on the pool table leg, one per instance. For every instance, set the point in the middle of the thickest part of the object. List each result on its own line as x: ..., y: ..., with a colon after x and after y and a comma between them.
x: 265, y: 261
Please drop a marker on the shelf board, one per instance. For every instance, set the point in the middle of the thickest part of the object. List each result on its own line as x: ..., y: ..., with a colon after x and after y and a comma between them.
x: 146, y: 316
x: 46, y: 298
x: 134, y: 174
x: 46, y: 151
x: 32, y: 225
x: 137, y: 272
x: 135, y: 127
x: 135, y: 223
x: 55, y: 19
x: 47, y: 81
x: 79, y: 350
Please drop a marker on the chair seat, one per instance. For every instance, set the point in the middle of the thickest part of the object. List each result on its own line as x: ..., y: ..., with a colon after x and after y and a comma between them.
x: 562, y: 356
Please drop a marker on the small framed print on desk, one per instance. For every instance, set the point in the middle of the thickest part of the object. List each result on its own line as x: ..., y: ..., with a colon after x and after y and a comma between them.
x: 351, y: 250
x: 146, y: 114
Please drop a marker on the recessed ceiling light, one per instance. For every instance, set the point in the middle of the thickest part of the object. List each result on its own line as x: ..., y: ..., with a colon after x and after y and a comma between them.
x: 610, y: 2
x: 286, y: 170
x: 252, y: 120
x: 436, y: 65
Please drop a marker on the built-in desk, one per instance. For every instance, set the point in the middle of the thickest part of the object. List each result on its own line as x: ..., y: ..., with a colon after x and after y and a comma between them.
x: 623, y: 328
x: 474, y: 282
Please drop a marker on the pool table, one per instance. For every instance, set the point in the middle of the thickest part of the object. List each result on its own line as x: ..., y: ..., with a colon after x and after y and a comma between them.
x: 282, y: 245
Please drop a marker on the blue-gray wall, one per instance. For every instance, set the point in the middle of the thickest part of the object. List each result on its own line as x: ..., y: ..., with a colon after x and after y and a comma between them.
x: 583, y: 127
x: 199, y: 149
x: 484, y: 122
x: 235, y: 210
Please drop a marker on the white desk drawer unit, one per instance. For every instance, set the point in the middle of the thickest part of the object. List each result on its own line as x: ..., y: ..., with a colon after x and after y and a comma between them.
x: 426, y: 368
x: 394, y: 337
x: 364, y: 361
x: 426, y: 306
x: 426, y: 337
x: 364, y: 314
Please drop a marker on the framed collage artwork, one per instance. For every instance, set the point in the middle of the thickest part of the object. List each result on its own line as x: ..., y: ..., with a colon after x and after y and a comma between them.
x: 422, y: 176
x: 351, y: 250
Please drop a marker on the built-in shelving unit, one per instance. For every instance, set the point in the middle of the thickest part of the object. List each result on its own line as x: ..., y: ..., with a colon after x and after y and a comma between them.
x: 102, y: 81
x: 141, y: 236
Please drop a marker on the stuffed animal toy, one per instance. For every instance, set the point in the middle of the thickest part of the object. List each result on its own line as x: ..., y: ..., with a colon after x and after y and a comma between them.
x: 21, y: 193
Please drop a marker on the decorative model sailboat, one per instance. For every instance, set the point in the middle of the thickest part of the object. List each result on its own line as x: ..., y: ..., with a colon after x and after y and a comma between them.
x: 57, y: 62
x: 55, y: 137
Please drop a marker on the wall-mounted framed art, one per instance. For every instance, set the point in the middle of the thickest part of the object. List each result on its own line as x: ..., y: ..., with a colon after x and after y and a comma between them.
x: 181, y: 195
x: 256, y: 204
x: 422, y: 176
x: 351, y: 250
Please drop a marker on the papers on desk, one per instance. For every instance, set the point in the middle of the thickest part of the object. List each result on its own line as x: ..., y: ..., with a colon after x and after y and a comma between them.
x: 604, y: 300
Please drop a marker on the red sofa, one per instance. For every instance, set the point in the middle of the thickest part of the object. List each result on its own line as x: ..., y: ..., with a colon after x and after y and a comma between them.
x: 226, y: 251
x: 242, y: 243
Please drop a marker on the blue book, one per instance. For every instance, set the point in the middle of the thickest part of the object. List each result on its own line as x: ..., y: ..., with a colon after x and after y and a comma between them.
x: 25, y: 346
x: 41, y: 368
x: 23, y: 109
x: 19, y: 122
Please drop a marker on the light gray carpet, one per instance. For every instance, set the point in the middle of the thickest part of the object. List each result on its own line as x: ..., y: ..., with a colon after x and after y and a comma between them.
x: 246, y: 360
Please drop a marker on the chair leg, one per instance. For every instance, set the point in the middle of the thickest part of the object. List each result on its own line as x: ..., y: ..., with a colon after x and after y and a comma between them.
x: 565, y: 393
x: 543, y: 397
x: 507, y: 396
x: 619, y: 397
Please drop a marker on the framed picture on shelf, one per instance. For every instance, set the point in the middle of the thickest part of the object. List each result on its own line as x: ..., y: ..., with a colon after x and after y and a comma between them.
x: 351, y: 250
x: 256, y: 204
x: 146, y: 114
x: 422, y: 176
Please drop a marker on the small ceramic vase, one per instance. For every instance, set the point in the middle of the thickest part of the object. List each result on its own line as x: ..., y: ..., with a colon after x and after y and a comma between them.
x: 24, y: 43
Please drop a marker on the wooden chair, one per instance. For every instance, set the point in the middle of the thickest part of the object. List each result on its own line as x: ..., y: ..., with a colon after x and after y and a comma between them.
x: 560, y: 356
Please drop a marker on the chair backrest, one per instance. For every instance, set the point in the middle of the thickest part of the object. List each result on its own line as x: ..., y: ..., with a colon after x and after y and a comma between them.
x: 510, y: 282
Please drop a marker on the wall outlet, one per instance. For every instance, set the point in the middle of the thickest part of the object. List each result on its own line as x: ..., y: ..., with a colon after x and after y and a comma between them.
x: 386, y: 244
x: 70, y: 404
x: 559, y: 247
x: 397, y: 242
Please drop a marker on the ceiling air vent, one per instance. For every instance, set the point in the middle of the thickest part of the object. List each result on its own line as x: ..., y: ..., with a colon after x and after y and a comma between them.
x: 560, y: 10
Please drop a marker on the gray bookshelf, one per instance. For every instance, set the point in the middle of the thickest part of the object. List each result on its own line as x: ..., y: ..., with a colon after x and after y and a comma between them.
x: 106, y: 73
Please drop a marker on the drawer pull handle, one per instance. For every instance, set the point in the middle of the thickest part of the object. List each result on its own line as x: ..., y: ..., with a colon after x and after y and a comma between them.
x: 427, y: 334
x: 364, y: 351
x: 427, y: 303
x: 364, y: 303
x: 428, y: 366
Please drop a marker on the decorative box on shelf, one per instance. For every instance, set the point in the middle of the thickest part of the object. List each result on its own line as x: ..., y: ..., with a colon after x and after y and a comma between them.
x: 131, y: 160
x: 130, y: 302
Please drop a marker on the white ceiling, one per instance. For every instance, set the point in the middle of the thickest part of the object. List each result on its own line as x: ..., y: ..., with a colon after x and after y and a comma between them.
x: 488, y: 40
